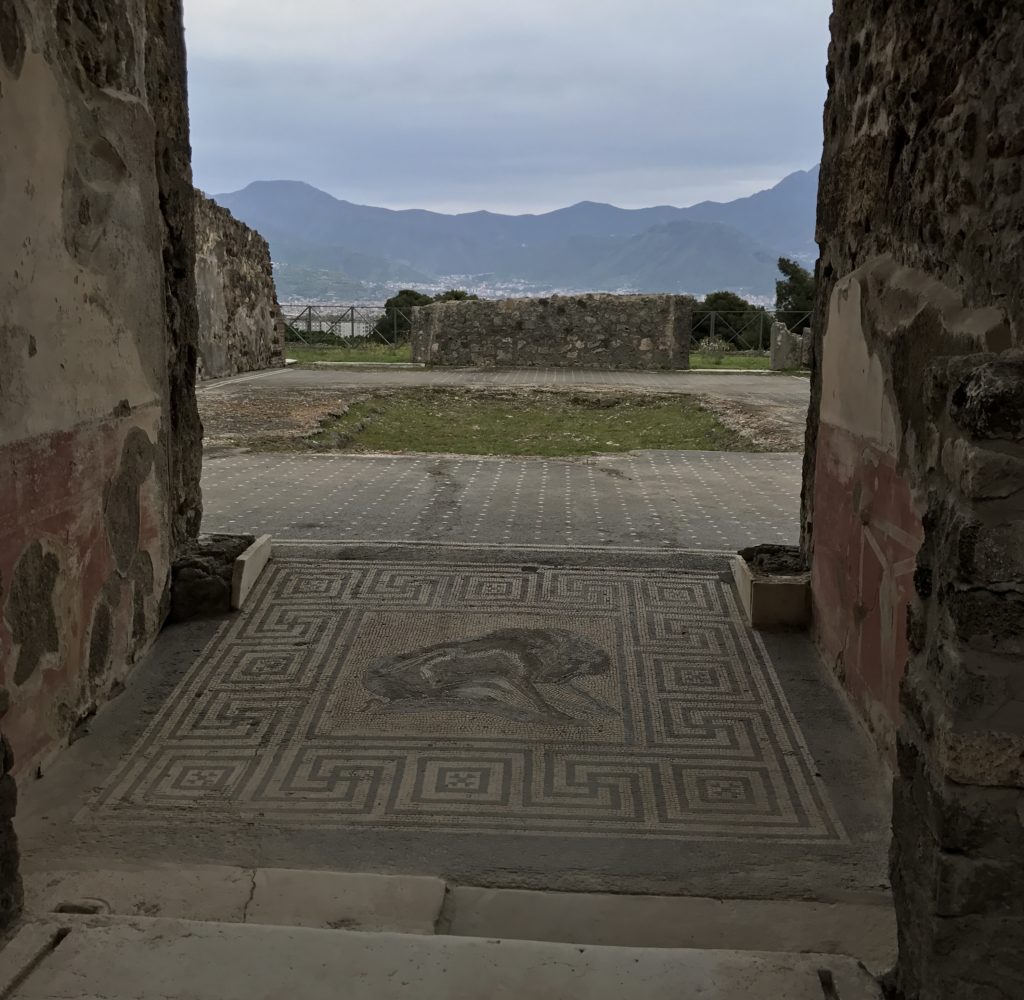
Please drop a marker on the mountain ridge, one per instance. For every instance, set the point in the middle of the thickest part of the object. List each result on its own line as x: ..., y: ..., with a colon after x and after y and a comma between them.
x: 587, y: 246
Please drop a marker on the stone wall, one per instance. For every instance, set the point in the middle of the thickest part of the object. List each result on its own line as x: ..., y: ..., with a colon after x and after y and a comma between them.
x: 585, y: 331
x: 240, y: 326
x: 914, y: 471
x: 99, y: 433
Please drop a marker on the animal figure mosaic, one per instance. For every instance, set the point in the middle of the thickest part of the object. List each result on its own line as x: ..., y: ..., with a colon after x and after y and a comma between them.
x: 514, y: 672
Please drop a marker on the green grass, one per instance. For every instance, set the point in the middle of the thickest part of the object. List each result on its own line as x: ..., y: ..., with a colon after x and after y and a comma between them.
x: 525, y: 423
x: 379, y: 353
x: 732, y: 362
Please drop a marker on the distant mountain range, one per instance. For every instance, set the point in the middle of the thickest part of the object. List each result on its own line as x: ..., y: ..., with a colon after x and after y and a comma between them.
x: 328, y: 249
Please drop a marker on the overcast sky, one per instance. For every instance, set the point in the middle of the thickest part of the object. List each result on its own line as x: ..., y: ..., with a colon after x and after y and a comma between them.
x: 517, y: 106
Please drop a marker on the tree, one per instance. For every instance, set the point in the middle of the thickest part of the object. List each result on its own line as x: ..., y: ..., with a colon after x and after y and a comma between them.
x: 724, y: 302
x: 455, y: 295
x: 794, y: 294
x: 396, y: 323
x: 731, y: 318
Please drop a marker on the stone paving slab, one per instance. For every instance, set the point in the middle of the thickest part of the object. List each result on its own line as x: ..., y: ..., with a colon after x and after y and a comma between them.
x: 407, y: 904
x: 421, y: 905
x: 138, y: 959
x: 716, y: 501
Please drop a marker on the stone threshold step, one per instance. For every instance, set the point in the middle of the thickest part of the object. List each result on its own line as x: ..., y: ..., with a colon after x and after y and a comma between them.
x: 118, y: 958
x: 863, y: 929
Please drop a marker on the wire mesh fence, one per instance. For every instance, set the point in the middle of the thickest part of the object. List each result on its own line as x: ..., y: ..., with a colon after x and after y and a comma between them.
x: 720, y: 332
x: 712, y: 332
x: 347, y: 326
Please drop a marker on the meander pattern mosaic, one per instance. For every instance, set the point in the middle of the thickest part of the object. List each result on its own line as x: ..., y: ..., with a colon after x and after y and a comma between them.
x: 453, y: 697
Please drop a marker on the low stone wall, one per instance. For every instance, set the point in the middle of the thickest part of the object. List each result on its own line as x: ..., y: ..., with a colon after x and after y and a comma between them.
x: 240, y: 327
x: 586, y: 331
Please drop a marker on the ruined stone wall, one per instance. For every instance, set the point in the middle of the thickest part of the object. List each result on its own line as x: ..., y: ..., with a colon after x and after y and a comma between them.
x: 240, y: 326
x: 914, y: 470
x: 99, y: 433
x: 585, y: 331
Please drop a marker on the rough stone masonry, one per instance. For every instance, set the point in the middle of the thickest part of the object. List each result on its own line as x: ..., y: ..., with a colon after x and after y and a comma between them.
x: 914, y: 468
x: 240, y: 326
x: 99, y: 473
x: 585, y: 331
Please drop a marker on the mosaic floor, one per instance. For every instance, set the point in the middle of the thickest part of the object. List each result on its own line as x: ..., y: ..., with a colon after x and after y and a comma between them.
x: 602, y: 702
x: 656, y: 499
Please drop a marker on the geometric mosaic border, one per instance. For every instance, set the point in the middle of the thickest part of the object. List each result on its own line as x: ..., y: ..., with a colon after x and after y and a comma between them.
x: 273, y: 720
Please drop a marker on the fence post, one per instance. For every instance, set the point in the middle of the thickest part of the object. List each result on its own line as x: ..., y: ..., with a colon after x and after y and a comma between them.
x: 309, y: 321
x: 760, y: 332
x: 351, y: 323
x: 711, y: 335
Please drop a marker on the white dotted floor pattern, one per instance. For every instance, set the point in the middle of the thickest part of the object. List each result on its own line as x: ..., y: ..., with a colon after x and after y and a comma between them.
x: 687, y: 500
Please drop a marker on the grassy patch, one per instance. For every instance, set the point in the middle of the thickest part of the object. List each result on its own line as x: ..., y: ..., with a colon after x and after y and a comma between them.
x: 525, y: 423
x: 731, y: 362
x: 379, y: 353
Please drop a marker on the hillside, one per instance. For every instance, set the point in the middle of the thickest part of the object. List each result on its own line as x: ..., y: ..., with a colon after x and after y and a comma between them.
x: 316, y: 239
x: 782, y: 216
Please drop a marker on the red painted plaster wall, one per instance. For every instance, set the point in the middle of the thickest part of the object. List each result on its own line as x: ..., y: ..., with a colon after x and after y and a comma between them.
x: 52, y: 492
x: 862, y: 572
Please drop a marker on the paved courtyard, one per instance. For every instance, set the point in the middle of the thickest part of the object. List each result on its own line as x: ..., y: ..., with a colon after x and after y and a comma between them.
x: 525, y: 673
x: 688, y: 500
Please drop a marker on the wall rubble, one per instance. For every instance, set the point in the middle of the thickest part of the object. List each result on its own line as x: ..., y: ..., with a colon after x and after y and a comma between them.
x: 913, y: 502
x: 240, y: 325
x: 787, y: 349
x: 99, y: 474
x: 586, y: 331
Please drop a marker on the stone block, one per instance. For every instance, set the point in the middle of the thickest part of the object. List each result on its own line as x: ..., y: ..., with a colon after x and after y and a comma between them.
x: 988, y: 619
x: 806, y: 348
x: 138, y: 958
x: 772, y: 600
x: 247, y: 569
x: 201, y: 578
x: 989, y: 402
x: 24, y: 952
x: 865, y: 931
x: 958, y: 874
x: 404, y: 904
x: 983, y: 474
x: 786, y: 348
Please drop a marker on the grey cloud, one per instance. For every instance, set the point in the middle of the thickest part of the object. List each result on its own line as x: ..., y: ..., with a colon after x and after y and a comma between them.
x: 528, y: 111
